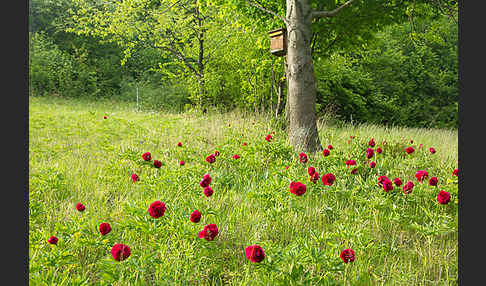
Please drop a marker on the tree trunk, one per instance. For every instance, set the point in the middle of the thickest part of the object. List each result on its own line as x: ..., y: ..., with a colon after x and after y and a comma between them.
x: 301, y: 80
x: 200, y: 86
x: 200, y: 63
x: 287, y: 120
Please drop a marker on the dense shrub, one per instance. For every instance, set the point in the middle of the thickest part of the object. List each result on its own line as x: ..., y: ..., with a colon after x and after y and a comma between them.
x: 50, y: 70
x: 55, y: 71
x: 405, y: 77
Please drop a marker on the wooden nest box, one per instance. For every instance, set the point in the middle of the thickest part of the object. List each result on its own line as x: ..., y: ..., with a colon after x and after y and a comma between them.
x: 278, y: 42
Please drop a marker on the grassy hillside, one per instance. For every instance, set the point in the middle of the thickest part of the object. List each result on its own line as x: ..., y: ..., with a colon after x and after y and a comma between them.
x: 76, y: 155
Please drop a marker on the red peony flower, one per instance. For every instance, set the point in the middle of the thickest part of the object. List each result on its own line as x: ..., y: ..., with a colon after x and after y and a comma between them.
x: 216, y: 153
x: 52, y: 240
x: 347, y: 255
x: 421, y: 145
x: 104, y: 228
x: 433, y: 181
x: 421, y: 175
x: 328, y: 179
x: 105, y: 117
x: 369, y: 153
x: 314, y: 177
x: 209, y: 232
x: 409, y: 150
x: 182, y: 163
x: 326, y: 152
x: 372, y: 142
x: 397, y: 182
x: 208, y: 191
x: 311, y: 170
x: 387, y: 185
x: 195, y: 216
x: 330, y: 147
x: 254, y: 253
x: 179, y: 144
x: 432, y: 150
x: 350, y: 163
x: 156, y: 209
x: 146, y: 156
x: 378, y: 150
x: 443, y: 197
x: 134, y: 178
x: 80, y: 207
x: 303, y: 158
x: 206, y: 180
x: 297, y: 188
x: 244, y: 144
x: 382, y: 179
x: 157, y: 164
x: 455, y: 172
x: 120, y: 252
x: 236, y: 156
x: 411, y: 141
x: 407, y: 189
x: 211, y: 159
x: 268, y: 138
x: 372, y: 164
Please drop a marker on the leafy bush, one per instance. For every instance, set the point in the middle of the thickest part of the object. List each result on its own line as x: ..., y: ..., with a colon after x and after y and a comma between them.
x: 405, y: 77
x: 50, y: 68
x: 74, y: 73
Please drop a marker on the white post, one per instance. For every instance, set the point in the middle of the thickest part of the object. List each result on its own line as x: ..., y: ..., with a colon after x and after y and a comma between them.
x: 137, y: 96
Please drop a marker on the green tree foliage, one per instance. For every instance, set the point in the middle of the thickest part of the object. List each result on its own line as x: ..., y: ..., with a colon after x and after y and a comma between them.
x: 175, y: 29
x: 405, y: 77
x: 240, y: 74
x: 349, y: 75
x: 221, y: 55
x: 91, y: 68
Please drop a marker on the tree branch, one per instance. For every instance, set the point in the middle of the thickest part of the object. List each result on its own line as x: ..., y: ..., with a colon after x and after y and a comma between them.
x: 183, y: 59
x: 450, y: 14
x: 260, y: 6
x: 323, y: 14
x: 163, y: 12
x: 314, y: 39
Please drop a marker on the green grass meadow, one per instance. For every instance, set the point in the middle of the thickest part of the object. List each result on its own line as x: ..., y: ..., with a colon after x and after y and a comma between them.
x: 75, y: 155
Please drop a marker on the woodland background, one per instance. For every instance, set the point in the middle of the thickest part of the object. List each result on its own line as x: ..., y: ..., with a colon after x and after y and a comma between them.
x: 401, y: 74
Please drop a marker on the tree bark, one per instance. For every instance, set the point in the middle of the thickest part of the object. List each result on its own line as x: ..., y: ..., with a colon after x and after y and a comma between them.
x: 287, y: 120
x: 200, y: 59
x: 303, y: 134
